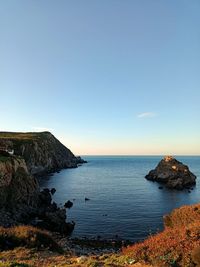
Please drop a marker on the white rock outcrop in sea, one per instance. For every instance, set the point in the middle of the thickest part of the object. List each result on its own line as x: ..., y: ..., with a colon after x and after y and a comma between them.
x: 173, y: 173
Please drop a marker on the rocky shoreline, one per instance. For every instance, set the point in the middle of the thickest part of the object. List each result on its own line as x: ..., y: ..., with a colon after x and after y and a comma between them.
x: 23, y: 158
x: 90, y: 246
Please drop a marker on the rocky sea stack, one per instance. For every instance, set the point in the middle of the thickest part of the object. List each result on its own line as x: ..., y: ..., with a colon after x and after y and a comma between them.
x: 173, y: 173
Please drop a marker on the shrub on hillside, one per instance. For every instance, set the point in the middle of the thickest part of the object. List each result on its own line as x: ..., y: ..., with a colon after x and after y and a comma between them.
x: 196, y: 256
x: 182, y: 216
x: 26, y: 236
x: 172, y: 247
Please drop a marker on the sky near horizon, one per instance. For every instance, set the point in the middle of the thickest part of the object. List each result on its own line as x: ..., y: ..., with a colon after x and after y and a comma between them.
x: 105, y: 77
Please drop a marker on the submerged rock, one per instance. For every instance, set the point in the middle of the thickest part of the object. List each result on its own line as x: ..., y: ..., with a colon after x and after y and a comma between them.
x: 53, y: 190
x: 173, y: 173
x: 68, y: 204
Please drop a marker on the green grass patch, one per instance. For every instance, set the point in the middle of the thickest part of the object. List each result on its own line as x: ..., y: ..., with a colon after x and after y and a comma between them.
x: 4, y: 158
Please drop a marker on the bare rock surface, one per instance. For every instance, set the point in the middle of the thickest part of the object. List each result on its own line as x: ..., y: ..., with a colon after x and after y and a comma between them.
x: 21, y: 201
x: 17, y: 186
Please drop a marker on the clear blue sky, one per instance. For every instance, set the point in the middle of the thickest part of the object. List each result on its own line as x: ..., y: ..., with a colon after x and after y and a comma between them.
x: 105, y: 76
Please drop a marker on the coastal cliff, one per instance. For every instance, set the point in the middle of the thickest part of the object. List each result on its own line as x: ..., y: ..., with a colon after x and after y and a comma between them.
x: 17, y: 186
x: 42, y: 152
x: 22, y: 157
x: 19, y: 190
x: 21, y: 201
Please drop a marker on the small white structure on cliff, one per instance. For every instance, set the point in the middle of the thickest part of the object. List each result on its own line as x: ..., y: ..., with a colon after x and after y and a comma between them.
x: 10, y: 151
x: 4, y: 148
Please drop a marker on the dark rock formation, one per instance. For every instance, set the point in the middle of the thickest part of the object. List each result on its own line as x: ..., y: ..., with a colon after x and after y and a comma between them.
x: 68, y: 204
x: 53, y: 190
x: 42, y: 152
x: 173, y: 173
x: 80, y: 160
x: 50, y: 216
x: 44, y: 198
x: 17, y: 186
x: 21, y: 200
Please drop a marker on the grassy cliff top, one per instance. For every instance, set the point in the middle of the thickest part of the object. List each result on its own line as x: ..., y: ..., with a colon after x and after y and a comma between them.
x: 3, y: 158
x: 23, y: 135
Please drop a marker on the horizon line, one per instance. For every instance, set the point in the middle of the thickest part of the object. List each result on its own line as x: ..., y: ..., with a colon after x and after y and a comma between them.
x: 141, y: 155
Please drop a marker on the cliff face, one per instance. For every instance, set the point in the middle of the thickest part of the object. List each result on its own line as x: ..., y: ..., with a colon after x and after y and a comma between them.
x: 42, y: 151
x: 21, y: 202
x: 17, y: 186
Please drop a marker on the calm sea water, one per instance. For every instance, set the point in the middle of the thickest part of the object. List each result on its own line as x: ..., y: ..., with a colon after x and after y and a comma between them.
x: 122, y: 202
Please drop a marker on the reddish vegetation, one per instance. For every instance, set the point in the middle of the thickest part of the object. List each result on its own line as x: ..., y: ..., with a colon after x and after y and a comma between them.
x: 177, y: 245
x: 183, y: 216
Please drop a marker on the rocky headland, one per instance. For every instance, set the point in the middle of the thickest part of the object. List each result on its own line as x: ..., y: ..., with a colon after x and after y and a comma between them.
x: 24, y: 157
x: 21, y: 201
x: 173, y: 173
x: 42, y: 152
x: 16, y: 184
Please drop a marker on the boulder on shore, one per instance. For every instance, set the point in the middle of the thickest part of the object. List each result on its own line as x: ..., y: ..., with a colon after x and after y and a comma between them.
x: 51, y: 217
x: 173, y: 173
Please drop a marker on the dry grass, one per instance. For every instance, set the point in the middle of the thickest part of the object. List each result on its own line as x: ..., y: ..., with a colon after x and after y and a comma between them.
x: 22, y: 136
x: 46, y: 259
x: 176, y: 245
x: 36, y: 258
x: 183, y: 216
x: 26, y: 236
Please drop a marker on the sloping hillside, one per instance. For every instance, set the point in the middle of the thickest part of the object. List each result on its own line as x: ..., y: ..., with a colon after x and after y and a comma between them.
x: 177, y: 245
x: 41, y: 151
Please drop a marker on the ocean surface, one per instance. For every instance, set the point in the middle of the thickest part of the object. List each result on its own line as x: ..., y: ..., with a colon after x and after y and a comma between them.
x: 122, y: 202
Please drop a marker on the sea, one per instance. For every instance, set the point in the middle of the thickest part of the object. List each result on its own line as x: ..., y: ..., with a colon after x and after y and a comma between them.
x: 122, y: 203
